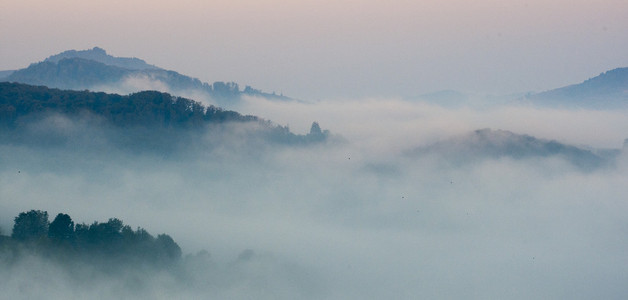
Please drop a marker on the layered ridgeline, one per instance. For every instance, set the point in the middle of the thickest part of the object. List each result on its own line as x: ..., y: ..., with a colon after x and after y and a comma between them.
x: 96, y: 70
x: 609, y: 90
x: 148, y: 120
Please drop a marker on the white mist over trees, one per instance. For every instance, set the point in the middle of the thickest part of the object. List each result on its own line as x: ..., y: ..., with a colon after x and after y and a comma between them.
x: 383, y: 212
x: 445, y: 195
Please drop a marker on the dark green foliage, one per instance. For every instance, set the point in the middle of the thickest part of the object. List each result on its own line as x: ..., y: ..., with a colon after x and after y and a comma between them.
x: 145, y: 120
x: 61, y: 228
x: 167, y: 248
x: 113, y: 238
x: 30, y: 225
x: 98, y: 243
x: 146, y: 109
x: 104, y: 235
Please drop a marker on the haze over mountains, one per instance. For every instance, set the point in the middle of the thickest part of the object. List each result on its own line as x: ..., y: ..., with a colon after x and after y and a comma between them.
x: 406, y: 200
x: 609, y: 90
x: 95, y: 70
x: 485, y: 144
x: 147, y: 121
x: 100, y: 55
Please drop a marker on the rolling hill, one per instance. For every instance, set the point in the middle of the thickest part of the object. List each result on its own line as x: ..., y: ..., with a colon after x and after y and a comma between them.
x: 95, y: 70
x: 148, y: 120
x: 609, y: 90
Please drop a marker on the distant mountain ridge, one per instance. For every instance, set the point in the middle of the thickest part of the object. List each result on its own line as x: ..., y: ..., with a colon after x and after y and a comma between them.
x: 95, y: 70
x: 100, y: 55
x: 607, y: 90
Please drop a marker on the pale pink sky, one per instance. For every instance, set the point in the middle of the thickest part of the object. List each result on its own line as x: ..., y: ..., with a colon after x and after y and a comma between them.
x: 318, y: 49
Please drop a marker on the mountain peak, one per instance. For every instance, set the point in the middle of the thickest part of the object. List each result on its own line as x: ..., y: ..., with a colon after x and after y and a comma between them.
x: 98, y: 50
x: 94, y: 69
x: 100, y: 55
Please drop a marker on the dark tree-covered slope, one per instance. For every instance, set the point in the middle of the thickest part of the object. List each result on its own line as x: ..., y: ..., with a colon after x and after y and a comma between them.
x: 149, y: 118
x: 148, y: 108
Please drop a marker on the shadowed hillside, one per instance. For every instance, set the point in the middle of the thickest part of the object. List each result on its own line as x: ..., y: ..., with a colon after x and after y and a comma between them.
x: 606, y: 91
x: 95, y: 70
x: 149, y: 119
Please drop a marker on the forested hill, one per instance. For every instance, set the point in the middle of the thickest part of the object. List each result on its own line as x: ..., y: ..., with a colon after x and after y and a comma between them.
x: 96, y: 70
x: 100, y: 55
x: 159, y: 116
x: 148, y: 108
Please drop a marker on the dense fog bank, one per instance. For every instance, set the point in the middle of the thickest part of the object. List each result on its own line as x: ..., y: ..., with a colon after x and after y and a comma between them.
x: 365, y: 216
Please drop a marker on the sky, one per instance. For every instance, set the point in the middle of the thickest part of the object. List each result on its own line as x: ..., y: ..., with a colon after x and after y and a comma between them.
x: 336, y: 49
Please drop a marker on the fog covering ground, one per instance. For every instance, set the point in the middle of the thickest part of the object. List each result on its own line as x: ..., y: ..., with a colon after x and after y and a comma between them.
x: 355, y: 218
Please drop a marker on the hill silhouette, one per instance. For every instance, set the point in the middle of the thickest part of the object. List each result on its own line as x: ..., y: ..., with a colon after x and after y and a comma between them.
x: 96, y: 70
x: 607, y: 90
x: 145, y: 120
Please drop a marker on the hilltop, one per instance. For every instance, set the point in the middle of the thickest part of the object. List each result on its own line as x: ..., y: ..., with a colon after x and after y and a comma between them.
x: 95, y: 70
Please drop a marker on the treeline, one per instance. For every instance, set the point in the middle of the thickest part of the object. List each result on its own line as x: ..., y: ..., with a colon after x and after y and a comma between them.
x: 149, y: 119
x: 106, y: 243
x: 148, y: 108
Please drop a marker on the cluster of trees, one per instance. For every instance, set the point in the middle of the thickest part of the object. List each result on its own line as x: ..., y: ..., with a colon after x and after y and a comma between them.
x: 111, y: 241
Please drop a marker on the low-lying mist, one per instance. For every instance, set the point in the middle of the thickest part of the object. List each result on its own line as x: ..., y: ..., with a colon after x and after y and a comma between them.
x: 360, y: 216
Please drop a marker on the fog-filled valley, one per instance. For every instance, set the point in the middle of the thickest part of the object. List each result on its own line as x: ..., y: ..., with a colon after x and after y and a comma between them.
x: 398, y: 199
x: 264, y: 149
